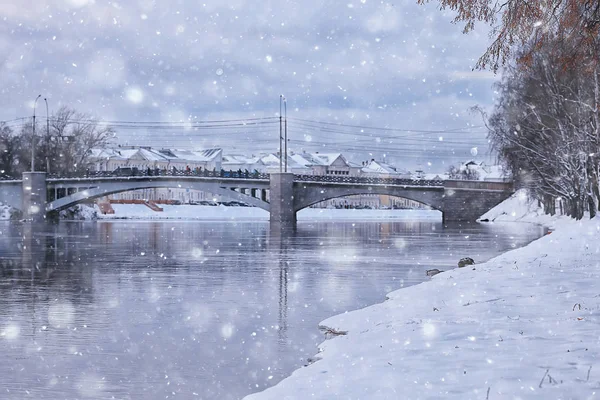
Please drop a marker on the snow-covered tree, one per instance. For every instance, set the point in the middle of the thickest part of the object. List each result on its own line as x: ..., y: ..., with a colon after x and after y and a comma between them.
x: 546, y: 129
x: 532, y: 24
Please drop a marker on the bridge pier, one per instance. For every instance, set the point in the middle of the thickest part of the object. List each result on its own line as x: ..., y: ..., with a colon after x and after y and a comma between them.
x: 466, y: 201
x: 281, y: 189
x: 34, y: 196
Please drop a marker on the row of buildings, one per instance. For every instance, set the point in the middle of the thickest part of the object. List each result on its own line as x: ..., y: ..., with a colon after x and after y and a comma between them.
x: 214, y: 159
x: 323, y: 164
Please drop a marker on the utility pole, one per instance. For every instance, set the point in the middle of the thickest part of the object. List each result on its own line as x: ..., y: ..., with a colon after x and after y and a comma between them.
x: 33, y: 136
x: 285, y: 139
x: 280, y: 135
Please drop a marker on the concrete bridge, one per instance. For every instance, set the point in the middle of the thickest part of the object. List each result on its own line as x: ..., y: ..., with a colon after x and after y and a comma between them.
x: 281, y: 194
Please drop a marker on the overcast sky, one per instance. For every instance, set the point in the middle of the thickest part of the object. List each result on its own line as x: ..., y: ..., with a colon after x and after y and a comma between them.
x: 361, y: 63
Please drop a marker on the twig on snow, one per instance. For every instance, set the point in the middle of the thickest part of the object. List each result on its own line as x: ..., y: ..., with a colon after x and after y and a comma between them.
x: 543, y: 377
x: 487, y: 397
x: 588, y: 375
x: 335, y: 332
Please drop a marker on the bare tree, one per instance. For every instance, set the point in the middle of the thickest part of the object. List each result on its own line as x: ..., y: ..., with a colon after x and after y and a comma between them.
x: 545, y: 128
x: 66, y: 146
x: 9, y: 152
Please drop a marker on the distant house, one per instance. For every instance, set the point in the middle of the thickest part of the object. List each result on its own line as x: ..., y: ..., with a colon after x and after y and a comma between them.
x: 139, y: 157
x: 147, y: 157
x: 479, y: 170
x: 331, y: 164
x: 234, y: 162
x: 382, y: 170
x: 271, y: 164
x: 206, y: 159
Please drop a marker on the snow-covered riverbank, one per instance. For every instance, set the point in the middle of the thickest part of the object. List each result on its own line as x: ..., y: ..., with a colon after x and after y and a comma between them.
x: 523, y: 325
x: 222, y: 213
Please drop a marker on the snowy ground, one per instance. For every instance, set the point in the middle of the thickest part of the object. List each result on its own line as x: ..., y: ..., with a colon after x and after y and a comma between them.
x: 222, y: 213
x: 6, y: 212
x: 521, y: 326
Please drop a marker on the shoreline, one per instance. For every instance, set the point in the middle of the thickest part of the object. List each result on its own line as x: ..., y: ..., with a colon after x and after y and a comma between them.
x: 521, y: 325
x: 132, y: 212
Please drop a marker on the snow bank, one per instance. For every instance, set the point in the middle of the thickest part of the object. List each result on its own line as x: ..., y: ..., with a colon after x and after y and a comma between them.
x: 186, y: 212
x: 523, y: 325
x: 222, y: 213
x: 80, y: 212
x: 7, y: 212
x: 520, y: 208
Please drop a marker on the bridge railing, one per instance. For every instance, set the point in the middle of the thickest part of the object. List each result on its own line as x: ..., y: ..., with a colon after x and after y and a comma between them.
x: 134, y: 172
x: 479, y: 185
x: 369, y: 180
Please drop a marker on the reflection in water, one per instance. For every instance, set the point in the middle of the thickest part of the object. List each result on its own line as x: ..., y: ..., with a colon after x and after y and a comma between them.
x: 159, y: 310
x: 278, y: 244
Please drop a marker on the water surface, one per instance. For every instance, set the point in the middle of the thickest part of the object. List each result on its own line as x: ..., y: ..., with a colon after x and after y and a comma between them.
x: 212, y: 310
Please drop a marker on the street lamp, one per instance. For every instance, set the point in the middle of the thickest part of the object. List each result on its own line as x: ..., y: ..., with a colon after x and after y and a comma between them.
x: 282, y: 149
x: 33, y: 136
x: 47, y: 134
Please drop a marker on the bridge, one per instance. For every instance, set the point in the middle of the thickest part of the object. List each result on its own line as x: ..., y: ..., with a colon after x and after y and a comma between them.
x: 281, y: 194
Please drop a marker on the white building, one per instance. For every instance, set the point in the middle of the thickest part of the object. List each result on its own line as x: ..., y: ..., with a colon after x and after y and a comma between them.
x: 144, y: 158
x: 271, y: 165
x: 235, y: 162
x: 378, y: 169
x: 484, y: 172
x: 330, y: 164
x: 148, y: 158
x: 321, y: 164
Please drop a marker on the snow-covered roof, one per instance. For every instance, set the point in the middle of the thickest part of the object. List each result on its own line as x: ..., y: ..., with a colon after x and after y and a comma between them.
x: 301, y: 160
x: 106, y: 154
x: 272, y: 160
x: 240, y: 159
x: 378, y: 167
x: 191, y: 155
x: 150, y: 154
x: 323, y: 159
x: 329, y: 158
x: 485, y: 172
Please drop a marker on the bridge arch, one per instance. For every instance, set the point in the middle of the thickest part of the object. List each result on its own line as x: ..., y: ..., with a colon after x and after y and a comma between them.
x: 306, y: 196
x: 102, y: 189
x: 365, y: 193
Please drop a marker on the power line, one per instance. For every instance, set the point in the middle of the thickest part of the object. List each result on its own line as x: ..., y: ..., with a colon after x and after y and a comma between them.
x: 384, y: 128
x: 244, y: 122
x: 306, y: 127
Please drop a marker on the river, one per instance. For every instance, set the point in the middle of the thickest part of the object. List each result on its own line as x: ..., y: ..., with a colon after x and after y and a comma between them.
x: 207, y: 310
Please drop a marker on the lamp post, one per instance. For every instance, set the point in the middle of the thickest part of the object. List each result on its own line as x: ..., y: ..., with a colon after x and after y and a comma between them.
x: 47, y: 134
x: 33, y: 136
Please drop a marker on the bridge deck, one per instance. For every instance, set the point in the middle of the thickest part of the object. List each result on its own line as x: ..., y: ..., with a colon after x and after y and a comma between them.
x: 105, y: 175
